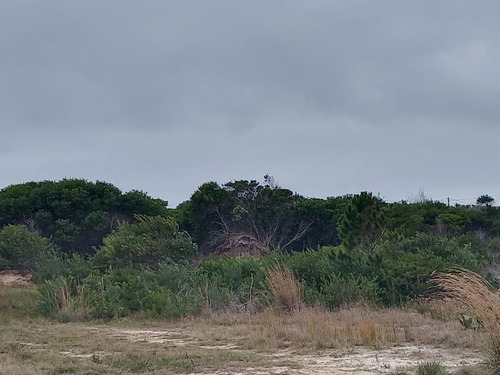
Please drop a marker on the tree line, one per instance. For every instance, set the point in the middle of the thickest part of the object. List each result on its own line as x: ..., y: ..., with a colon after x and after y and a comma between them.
x: 114, y: 247
x: 78, y: 216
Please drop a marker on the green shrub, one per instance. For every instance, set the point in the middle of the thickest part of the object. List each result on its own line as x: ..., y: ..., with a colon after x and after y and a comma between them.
x: 20, y: 248
x: 53, y: 264
x: 217, y: 297
x: 338, y: 291
x: 163, y: 304
x: 4, y: 263
x: 152, y: 240
x: 431, y: 368
x: 109, y: 303
x: 398, y: 271
x: 242, y: 278
x: 312, y: 267
x: 403, y: 265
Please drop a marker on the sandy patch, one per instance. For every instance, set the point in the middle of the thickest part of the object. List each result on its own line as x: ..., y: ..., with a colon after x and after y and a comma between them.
x: 96, y: 354
x: 15, y: 279
x: 364, y: 361
x: 177, y: 337
x: 357, y: 360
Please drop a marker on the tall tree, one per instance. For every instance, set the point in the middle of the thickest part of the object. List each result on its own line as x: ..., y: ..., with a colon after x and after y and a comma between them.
x: 485, y: 200
x: 362, y: 222
x: 74, y: 213
x: 267, y: 213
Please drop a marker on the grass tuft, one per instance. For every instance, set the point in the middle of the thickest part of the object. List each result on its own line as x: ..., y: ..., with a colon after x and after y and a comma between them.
x: 478, y: 295
x: 431, y: 368
x: 287, y: 294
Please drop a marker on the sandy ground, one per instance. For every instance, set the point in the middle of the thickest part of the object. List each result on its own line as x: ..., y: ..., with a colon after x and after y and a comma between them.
x: 357, y: 360
x: 15, y: 279
x: 364, y: 361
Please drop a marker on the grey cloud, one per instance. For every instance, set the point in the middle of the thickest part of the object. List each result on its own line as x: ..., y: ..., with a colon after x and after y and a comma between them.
x: 155, y: 63
x: 330, y: 96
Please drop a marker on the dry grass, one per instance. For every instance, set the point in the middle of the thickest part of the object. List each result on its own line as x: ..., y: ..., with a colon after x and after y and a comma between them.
x: 287, y: 294
x: 225, y: 343
x: 477, y: 295
x: 43, y: 347
x: 312, y: 329
x: 71, y: 308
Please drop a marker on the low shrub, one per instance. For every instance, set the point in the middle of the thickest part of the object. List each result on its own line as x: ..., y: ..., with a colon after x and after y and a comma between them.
x: 431, y: 368
x: 350, y: 290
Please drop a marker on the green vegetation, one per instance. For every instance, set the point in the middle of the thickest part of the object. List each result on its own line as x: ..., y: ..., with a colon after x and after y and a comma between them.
x: 362, y: 222
x: 274, y: 340
x: 431, y: 368
x: 96, y: 252
x: 76, y: 287
x: 153, y: 239
x: 20, y: 248
x: 74, y: 214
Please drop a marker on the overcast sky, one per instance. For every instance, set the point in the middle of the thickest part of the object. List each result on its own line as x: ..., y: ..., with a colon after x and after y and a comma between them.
x: 329, y: 97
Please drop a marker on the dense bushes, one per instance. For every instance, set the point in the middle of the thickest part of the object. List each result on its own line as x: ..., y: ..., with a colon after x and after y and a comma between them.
x: 20, y: 248
x: 171, y: 291
x: 100, y: 253
x: 74, y: 213
x: 399, y: 270
x: 120, y: 292
x: 152, y: 240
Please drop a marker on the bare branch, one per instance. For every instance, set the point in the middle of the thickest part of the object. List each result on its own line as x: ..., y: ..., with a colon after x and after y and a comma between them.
x: 303, y: 227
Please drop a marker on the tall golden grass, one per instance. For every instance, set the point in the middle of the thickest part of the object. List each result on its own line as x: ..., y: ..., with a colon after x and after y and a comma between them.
x: 310, y: 329
x: 288, y: 295
x: 477, y: 294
